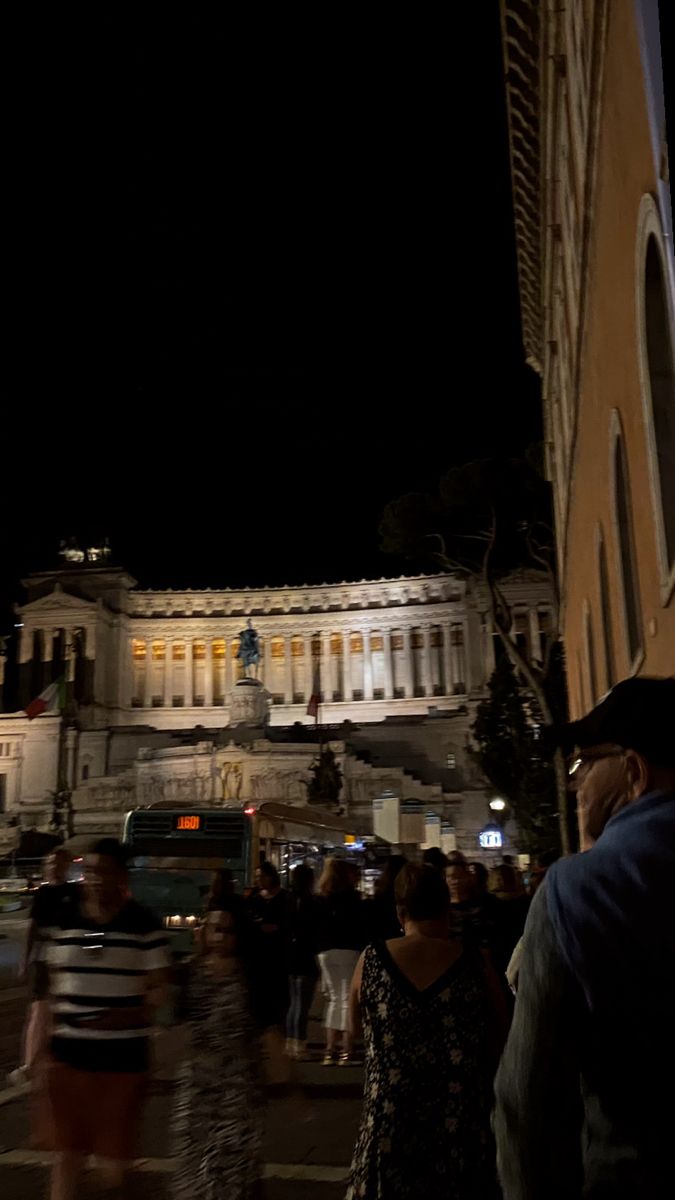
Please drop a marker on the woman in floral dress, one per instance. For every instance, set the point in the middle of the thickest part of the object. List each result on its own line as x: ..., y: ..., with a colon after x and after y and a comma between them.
x: 218, y: 1115
x: 425, y: 1006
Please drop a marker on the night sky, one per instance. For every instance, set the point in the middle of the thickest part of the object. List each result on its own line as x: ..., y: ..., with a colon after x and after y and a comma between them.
x: 261, y: 281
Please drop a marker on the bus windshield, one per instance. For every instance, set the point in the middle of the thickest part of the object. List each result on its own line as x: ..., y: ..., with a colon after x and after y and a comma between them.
x: 170, y: 893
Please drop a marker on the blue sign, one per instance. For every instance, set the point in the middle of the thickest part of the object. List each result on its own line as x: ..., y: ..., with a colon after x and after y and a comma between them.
x: 491, y: 839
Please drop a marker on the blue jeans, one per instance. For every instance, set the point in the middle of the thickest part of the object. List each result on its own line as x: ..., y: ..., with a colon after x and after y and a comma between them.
x: 302, y: 989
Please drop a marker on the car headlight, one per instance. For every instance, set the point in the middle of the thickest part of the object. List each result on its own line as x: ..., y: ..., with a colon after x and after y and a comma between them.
x: 179, y: 921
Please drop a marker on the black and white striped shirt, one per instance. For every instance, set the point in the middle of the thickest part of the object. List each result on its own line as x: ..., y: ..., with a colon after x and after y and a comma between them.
x: 94, y: 968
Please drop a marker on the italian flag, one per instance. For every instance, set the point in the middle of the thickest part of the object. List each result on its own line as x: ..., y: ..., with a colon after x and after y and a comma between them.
x: 49, y: 701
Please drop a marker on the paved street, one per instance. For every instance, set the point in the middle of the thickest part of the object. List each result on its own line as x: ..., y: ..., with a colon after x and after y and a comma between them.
x: 304, y: 1158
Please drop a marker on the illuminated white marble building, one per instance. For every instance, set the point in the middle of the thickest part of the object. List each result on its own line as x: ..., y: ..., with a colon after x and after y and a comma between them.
x: 152, y: 672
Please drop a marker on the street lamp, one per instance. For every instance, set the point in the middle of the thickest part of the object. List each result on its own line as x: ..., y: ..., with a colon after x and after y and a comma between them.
x: 497, y: 805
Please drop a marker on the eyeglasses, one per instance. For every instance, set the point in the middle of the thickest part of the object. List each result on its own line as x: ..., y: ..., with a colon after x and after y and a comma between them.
x: 587, y: 758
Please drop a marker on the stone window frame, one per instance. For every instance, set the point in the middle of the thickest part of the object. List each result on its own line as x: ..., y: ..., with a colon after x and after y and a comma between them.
x: 584, y: 706
x: 650, y: 225
x: 616, y: 436
x: 589, y: 654
x: 606, y: 628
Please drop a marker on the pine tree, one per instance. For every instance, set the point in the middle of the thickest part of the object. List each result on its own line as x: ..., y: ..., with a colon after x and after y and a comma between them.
x: 509, y: 751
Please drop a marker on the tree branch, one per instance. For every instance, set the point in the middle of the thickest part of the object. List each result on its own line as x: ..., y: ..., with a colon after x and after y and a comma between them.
x: 441, y: 539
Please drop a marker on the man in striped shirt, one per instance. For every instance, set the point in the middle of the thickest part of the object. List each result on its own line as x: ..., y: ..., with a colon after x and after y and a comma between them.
x: 107, y: 960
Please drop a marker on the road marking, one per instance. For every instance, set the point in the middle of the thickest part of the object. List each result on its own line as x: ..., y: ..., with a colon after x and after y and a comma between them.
x: 307, y: 1172
x: 310, y: 1172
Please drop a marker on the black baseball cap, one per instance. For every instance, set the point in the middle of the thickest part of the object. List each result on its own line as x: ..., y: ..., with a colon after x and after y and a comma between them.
x: 638, y: 714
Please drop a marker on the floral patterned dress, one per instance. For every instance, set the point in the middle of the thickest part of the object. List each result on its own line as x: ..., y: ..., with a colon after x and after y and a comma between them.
x: 425, y: 1127
x: 219, y: 1111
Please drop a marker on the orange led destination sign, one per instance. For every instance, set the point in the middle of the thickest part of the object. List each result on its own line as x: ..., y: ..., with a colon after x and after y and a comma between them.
x: 187, y: 823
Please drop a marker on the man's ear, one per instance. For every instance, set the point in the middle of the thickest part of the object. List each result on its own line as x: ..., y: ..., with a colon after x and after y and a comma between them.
x: 637, y: 771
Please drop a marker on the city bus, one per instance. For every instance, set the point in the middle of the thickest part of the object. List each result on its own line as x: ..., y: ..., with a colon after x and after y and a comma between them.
x: 174, y: 851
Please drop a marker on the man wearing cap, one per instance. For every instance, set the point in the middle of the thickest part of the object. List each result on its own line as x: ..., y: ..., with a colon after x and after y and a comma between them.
x: 585, y: 1091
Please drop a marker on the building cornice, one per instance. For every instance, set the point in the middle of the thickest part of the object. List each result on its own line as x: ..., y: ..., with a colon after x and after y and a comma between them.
x: 300, y: 624
x: 521, y: 47
x: 343, y: 597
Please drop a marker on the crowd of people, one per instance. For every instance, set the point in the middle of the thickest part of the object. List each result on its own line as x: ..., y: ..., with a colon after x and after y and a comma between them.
x: 517, y: 1040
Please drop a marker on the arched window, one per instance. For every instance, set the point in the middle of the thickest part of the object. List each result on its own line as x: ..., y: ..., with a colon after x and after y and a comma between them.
x: 623, y: 520
x: 656, y: 337
x: 605, y: 613
x: 589, y: 652
x: 581, y: 686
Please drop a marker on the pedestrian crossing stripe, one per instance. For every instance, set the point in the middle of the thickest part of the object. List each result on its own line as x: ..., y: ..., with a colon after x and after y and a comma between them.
x: 300, y: 1172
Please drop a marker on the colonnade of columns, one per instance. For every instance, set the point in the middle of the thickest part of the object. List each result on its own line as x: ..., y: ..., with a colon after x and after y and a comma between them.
x: 421, y: 661
x: 351, y: 665
x: 44, y: 653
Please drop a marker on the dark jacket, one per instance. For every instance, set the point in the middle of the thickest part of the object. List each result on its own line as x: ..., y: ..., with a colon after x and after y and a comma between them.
x: 584, y: 1090
x: 341, y: 922
x: 303, y: 933
x: 382, y: 923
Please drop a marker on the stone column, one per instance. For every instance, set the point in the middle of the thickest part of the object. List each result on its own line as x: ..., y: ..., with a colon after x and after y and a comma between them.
x: 264, y: 664
x: 447, y: 662
x: 25, y: 650
x: 367, y: 667
x: 168, y: 673
x: 347, y: 665
x: 326, y: 668
x: 427, y: 680
x: 457, y: 653
x: 309, y: 667
x: 147, y: 689
x: 71, y: 654
x: 535, y: 635
x: 228, y: 667
x: 47, y: 656
x: 288, y: 669
x: 189, y: 674
x: 71, y: 746
x: 476, y: 677
x: 208, y: 672
x: 408, y: 677
x: 466, y: 655
x: 25, y: 658
x: 128, y: 675
x: 388, y: 669
x: 94, y: 681
x: 90, y: 642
